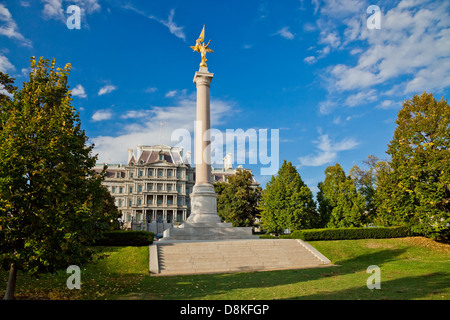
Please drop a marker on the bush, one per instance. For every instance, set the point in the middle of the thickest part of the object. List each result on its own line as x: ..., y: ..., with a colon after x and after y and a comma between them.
x: 267, y: 236
x: 351, y: 233
x: 124, y: 238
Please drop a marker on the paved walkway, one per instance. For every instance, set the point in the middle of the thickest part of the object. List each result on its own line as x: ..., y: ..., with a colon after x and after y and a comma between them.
x: 201, y: 257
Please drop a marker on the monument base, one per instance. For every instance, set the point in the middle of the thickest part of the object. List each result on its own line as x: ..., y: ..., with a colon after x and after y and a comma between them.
x: 208, y: 231
x: 203, y: 204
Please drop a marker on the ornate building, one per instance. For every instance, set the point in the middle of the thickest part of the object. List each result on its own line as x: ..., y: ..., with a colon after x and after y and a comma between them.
x: 152, y: 190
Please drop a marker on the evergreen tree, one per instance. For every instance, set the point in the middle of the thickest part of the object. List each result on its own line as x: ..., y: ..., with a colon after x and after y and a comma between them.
x: 51, y: 200
x: 339, y: 201
x: 417, y: 189
x: 237, y: 200
x: 287, y: 202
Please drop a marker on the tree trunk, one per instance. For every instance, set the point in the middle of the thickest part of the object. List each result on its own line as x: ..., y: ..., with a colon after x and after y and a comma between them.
x: 11, y: 286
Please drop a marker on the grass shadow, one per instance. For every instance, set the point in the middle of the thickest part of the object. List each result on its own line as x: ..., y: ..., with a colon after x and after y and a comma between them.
x: 221, y: 285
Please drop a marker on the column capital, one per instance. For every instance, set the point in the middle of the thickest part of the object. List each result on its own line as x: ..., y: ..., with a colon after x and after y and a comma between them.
x: 203, y: 77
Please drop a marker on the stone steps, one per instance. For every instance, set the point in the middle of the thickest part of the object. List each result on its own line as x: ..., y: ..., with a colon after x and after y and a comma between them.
x: 182, y: 257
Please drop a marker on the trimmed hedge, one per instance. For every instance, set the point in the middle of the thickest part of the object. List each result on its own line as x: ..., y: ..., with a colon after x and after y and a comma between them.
x: 351, y: 233
x: 124, y: 238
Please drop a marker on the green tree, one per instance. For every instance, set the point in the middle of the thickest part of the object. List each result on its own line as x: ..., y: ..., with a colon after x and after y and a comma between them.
x: 52, y: 201
x: 339, y: 201
x: 238, y: 198
x: 287, y: 202
x: 417, y: 190
x: 366, y: 183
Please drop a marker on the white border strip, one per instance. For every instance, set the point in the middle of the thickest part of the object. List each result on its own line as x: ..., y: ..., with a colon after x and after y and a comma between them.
x: 153, y: 257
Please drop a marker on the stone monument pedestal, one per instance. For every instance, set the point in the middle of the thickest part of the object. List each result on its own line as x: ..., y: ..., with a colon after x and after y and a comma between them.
x: 208, y: 231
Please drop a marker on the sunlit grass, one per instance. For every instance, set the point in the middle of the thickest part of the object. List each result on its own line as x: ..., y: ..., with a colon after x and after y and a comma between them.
x: 411, y: 268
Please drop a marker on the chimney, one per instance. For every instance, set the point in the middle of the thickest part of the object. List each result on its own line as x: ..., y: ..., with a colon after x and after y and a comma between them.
x: 130, y: 155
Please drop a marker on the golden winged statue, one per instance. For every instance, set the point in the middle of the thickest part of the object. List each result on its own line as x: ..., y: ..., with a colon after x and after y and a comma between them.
x: 201, y: 47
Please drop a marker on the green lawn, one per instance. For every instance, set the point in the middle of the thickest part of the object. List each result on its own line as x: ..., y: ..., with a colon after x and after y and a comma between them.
x: 411, y: 268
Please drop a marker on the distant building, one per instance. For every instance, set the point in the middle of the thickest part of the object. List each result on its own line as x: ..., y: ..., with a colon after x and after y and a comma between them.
x: 152, y: 191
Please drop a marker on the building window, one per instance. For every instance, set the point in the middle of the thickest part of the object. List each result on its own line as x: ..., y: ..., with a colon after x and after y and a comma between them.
x: 131, y: 174
x: 142, y: 162
x: 139, y: 188
x: 169, y: 201
x: 149, y: 187
x: 159, y: 187
x: 113, y: 189
x: 159, y: 201
x: 118, y: 175
x: 131, y: 189
x: 179, y: 189
x: 120, y: 202
x: 150, y: 173
x: 160, y: 173
x: 169, y: 173
x: 120, y: 189
x: 130, y: 203
x: 160, y: 157
x: 139, y: 201
x: 169, y: 188
x: 141, y: 173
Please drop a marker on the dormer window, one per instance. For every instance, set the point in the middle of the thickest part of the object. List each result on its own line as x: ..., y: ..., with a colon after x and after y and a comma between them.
x: 160, y: 157
x: 141, y: 162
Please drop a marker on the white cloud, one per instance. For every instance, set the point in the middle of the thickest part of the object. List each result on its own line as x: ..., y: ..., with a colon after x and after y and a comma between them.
x: 101, y: 115
x: 328, y: 151
x: 169, y: 23
x: 55, y: 9
x: 325, y: 107
x: 145, y: 129
x: 171, y: 94
x: 362, y: 97
x: 135, y: 114
x: 78, y: 91
x: 412, y: 47
x: 173, y: 27
x: 9, y: 27
x: 310, y: 60
x: 5, y: 64
x: 390, y: 104
x: 107, y: 89
x: 285, y: 33
x: 151, y: 89
x: 330, y: 39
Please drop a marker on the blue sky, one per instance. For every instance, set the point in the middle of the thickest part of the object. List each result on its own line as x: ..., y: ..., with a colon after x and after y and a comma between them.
x: 311, y: 69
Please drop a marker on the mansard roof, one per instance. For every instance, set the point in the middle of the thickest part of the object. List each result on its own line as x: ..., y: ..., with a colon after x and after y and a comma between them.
x: 151, y: 154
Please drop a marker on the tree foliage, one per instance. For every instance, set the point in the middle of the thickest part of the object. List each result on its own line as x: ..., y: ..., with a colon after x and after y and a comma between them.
x: 52, y: 201
x: 366, y: 181
x: 238, y: 199
x: 340, y: 204
x: 416, y: 188
x: 287, y: 202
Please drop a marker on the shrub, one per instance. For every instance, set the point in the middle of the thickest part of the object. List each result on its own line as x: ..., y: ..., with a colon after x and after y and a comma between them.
x: 267, y: 236
x: 351, y: 233
x: 125, y: 238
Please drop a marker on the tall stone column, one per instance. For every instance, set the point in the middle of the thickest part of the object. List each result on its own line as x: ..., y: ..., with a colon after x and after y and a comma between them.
x: 203, y: 197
